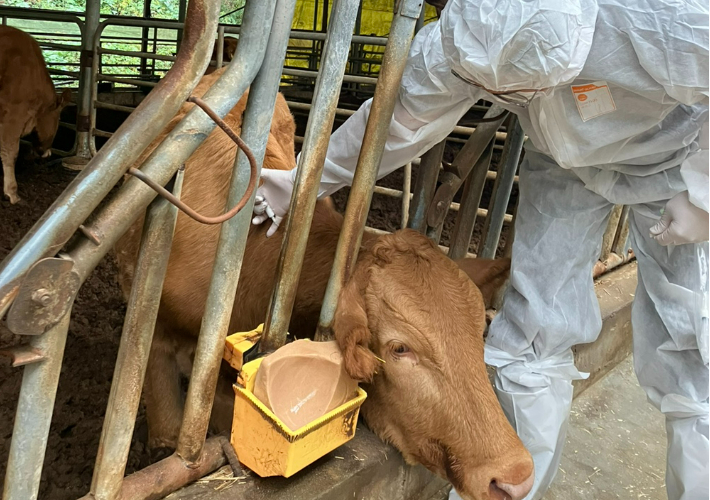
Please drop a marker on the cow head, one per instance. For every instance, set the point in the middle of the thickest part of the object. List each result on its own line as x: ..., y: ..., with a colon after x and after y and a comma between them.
x: 410, y: 325
x: 48, y: 122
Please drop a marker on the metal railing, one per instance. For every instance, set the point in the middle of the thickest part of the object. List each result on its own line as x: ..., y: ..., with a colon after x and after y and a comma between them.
x: 158, y: 33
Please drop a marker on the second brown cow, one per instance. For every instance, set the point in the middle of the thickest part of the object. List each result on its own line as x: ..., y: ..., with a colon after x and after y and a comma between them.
x: 407, y: 303
x: 28, y: 102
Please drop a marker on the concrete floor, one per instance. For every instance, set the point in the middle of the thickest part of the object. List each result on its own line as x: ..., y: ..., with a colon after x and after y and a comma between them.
x: 616, y: 443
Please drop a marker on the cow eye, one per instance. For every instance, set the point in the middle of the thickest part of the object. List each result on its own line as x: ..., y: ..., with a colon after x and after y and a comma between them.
x: 399, y: 349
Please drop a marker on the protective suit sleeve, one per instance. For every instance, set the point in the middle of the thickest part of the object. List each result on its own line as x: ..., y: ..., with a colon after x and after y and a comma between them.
x: 675, y: 54
x: 694, y: 170
x: 430, y: 103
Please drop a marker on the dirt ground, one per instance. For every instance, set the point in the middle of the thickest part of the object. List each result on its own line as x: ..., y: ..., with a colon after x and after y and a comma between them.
x: 94, y: 336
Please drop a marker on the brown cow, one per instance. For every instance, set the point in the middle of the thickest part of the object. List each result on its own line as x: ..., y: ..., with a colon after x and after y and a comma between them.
x: 28, y: 102
x: 407, y: 303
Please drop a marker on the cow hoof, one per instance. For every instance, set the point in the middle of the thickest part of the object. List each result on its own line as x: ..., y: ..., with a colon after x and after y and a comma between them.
x: 14, y: 199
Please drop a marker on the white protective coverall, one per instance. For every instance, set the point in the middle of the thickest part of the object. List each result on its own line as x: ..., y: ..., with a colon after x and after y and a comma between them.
x: 646, y: 62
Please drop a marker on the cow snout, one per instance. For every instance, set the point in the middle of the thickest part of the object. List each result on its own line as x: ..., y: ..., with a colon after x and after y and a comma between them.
x: 505, y: 491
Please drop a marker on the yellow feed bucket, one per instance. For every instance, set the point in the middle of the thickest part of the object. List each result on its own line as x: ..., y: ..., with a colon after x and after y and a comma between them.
x: 269, y: 448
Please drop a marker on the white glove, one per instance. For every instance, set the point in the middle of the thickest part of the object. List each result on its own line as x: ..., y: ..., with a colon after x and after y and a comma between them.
x: 681, y: 222
x: 273, y: 197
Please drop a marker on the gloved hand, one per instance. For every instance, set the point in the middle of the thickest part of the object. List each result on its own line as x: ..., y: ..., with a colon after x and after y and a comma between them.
x: 273, y: 197
x: 681, y: 222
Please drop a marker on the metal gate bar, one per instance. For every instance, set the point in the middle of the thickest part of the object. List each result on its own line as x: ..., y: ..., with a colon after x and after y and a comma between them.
x: 470, y: 200
x: 34, y: 414
x: 134, y: 350
x: 373, y: 144
x: 233, y: 233
x: 501, y: 190
x: 425, y: 185
x: 303, y: 199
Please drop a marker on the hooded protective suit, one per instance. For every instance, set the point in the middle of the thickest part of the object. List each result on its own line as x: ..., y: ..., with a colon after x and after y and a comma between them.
x: 615, y: 106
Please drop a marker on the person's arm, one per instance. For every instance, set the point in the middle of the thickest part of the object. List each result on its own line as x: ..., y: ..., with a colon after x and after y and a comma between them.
x: 430, y: 103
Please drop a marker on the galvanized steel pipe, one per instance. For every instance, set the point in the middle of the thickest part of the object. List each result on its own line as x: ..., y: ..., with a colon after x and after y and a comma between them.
x: 460, y: 238
x: 134, y: 350
x: 425, y: 185
x: 233, y: 236
x: 34, y: 414
x: 101, y: 174
x: 303, y: 199
x: 114, y: 218
x: 373, y: 144
x: 502, y: 188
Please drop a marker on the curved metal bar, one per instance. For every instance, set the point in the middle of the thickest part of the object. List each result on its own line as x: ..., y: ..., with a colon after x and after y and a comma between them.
x: 253, y: 174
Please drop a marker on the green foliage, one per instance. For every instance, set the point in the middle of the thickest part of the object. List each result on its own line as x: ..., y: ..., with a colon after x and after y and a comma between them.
x: 112, y: 64
x: 162, y: 9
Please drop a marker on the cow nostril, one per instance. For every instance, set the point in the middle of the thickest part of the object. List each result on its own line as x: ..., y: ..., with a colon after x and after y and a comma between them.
x: 496, y: 493
x: 504, y: 491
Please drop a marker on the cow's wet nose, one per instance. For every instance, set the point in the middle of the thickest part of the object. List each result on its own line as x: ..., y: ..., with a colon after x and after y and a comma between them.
x: 505, y: 491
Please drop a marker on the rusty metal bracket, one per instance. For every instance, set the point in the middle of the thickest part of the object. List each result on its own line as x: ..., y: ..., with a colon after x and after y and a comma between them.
x: 180, y: 204
x: 409, y: 8
x: 44, y: 297
x: 22, y: 355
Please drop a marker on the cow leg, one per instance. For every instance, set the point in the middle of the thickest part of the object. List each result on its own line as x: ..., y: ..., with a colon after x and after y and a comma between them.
x: 163, y: 396
x: 9, y: 147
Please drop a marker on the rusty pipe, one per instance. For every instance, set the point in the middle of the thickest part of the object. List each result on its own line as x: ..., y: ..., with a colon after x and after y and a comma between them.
x: 133, y: 352
x: 170, y: 474
x: 253, y: 174
x: 373, y: 144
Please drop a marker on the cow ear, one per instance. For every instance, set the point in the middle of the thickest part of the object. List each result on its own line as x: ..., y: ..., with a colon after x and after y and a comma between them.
x: 64, y: 99
x: 489, y: 275
x: 352, y: 332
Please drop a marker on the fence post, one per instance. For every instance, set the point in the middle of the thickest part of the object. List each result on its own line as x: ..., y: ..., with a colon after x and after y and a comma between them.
x: 34, y: 414
x: 233, y: 234
x: 136, y: 339
x: 83, y: 144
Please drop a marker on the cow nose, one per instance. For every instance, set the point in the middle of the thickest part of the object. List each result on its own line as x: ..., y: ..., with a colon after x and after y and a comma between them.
x: 504, y: 491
